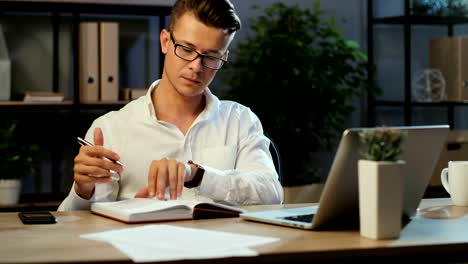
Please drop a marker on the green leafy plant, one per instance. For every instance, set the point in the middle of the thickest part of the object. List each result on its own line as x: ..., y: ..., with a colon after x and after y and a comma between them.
x: 16, y: 158
x: 382, y: 144
x: 301, y: 77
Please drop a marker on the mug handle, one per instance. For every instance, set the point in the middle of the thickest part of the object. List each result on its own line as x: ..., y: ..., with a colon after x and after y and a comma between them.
x: 444, y: 179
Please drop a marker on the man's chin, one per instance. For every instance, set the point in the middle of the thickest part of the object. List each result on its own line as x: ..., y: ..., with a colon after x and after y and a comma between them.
x: 190, y: 91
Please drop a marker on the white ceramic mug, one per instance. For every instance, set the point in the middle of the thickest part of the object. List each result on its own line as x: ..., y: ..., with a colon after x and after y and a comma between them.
x: 455, y: 181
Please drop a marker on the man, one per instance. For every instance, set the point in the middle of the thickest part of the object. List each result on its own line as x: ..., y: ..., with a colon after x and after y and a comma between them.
x: 180, y: 134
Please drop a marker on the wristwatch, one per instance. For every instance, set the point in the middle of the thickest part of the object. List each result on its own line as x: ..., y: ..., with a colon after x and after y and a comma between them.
x: 196, y: 180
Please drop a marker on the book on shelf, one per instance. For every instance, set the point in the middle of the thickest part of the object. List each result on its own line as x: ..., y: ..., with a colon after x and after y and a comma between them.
x: 46, y: 97
x: 450, y: 56
x: 141, y: 210
x: 89, y: 62
x: 109, y: 61
x: 136, y: 93
x: 133, y: 93
x: 99, y: 61
x: 5, y: 69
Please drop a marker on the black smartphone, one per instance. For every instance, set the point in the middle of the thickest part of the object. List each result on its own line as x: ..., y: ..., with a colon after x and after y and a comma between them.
x: 39, y: 217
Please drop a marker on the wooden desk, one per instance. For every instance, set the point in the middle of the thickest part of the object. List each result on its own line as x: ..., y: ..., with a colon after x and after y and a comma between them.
x: 438, y: 233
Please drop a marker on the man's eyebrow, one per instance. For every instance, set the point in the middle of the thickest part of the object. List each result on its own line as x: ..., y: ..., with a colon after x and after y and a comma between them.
x: 206, y: 52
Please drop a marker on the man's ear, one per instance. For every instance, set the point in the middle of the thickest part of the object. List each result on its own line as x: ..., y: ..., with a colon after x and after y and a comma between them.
x: 164, y: 40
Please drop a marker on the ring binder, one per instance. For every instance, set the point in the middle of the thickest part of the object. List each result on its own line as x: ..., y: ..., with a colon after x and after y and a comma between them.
x: 89, y: 85
x: 5, y: 69
x: 109, y: 61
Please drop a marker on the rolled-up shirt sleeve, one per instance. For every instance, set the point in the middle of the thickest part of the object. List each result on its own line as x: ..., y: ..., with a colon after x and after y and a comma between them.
x: 75, y: 202
x: 254, y: 179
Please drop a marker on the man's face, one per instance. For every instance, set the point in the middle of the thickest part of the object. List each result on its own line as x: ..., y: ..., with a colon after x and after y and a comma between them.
x: 189, y: 78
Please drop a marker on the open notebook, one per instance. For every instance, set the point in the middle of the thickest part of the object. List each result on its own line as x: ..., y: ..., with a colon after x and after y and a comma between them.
x: 339, y: 205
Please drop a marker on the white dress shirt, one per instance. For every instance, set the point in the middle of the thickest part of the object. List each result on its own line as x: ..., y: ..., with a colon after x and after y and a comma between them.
x: 226, y: 139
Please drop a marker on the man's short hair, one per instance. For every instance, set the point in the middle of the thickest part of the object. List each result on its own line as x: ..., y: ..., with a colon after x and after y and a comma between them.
x: 213, y: 13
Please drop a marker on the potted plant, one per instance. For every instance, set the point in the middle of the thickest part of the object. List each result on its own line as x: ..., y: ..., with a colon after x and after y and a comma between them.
x: 301, y: 77
x: 16, y: 160
x: 380, y: 182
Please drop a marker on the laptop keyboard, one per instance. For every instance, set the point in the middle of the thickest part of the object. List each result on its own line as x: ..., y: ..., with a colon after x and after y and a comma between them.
x: 306, y: 218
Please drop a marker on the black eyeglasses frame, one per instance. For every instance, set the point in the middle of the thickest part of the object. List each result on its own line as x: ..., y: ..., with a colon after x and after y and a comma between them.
x: 176, y: 44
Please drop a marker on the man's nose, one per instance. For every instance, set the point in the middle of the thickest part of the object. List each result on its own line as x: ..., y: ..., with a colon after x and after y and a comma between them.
x: 197, y: 64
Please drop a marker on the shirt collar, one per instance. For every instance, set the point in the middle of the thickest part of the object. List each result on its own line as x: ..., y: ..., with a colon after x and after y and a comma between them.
x: 211, y: 107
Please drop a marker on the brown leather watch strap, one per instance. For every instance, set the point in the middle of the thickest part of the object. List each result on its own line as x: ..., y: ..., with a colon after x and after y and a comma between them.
x: 196, y: 180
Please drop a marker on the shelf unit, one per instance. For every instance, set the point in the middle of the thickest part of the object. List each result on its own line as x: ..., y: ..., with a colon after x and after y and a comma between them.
x: 71, y: 116
x: 407, y: 20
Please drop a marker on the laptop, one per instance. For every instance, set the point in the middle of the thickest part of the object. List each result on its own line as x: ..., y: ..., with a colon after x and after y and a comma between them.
x: 338, y: 207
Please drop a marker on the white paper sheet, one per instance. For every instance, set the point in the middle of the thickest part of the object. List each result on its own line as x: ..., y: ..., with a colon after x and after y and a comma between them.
x: 166, y: 242
x: 139, y: 253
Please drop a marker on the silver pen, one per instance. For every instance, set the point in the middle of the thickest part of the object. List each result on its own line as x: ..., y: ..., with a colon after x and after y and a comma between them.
x: 84, y: 142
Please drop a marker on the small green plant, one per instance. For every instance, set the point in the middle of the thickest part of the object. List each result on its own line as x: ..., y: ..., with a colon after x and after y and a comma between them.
x: 16, y: 158
x: 382, y: 144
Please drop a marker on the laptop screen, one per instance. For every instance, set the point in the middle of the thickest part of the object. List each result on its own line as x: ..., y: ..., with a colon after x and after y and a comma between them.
x: 339, y: 202
x: 421, y: 150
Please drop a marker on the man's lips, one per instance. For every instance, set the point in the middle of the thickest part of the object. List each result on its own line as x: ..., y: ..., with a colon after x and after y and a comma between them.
x: 191, y: 80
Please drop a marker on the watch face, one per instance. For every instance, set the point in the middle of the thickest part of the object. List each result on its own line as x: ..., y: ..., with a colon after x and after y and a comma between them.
x: 196, y: 165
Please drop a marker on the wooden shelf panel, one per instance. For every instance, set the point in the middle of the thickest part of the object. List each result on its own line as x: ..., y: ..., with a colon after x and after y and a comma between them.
x: 64, y: 103
x: 121, y: 102
x: 428, y: 104
x: 22, y: 103
x: 36, y: 202
x: 137, y: 7
x: 421, y: 20
x: 40, y: 206
x: 20, y: 106
x: 103, y: 2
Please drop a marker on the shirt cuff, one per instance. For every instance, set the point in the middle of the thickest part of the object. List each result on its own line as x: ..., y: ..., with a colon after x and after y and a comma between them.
x: 214, y: 184
x: 76, y: 202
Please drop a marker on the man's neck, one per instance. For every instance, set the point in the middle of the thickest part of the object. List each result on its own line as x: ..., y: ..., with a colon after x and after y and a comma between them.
x: 174, y: 108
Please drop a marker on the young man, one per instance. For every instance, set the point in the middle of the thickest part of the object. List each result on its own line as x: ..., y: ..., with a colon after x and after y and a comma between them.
x: 180, y: 140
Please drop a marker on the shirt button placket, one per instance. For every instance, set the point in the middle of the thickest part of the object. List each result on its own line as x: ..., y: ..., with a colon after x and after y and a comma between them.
x: 187, y: 149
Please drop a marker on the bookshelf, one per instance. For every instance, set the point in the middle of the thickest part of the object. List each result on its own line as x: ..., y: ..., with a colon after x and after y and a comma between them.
x: 406, y: 22
x: 55, y: 126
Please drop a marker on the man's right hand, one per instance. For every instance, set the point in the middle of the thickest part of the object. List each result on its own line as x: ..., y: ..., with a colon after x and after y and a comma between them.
x: 90, y: 167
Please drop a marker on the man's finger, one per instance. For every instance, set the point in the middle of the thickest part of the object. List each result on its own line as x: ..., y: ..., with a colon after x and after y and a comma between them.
x: 182, y: 171
x: 172, y: 178
x: 162, y: 179
x: 90, y: 170
x: 143, y: 193
x: 153, y: 174
x: 98, y: 137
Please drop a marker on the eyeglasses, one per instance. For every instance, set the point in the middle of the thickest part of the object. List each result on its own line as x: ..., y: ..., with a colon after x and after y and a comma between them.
x: 189, y: 54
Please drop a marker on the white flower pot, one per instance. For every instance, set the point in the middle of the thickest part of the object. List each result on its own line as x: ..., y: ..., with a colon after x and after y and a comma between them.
x: 10, y: 190
x: 380, y: 198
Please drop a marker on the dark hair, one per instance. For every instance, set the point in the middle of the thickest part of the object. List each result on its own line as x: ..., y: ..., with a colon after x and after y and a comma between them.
x: 214, y: 13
